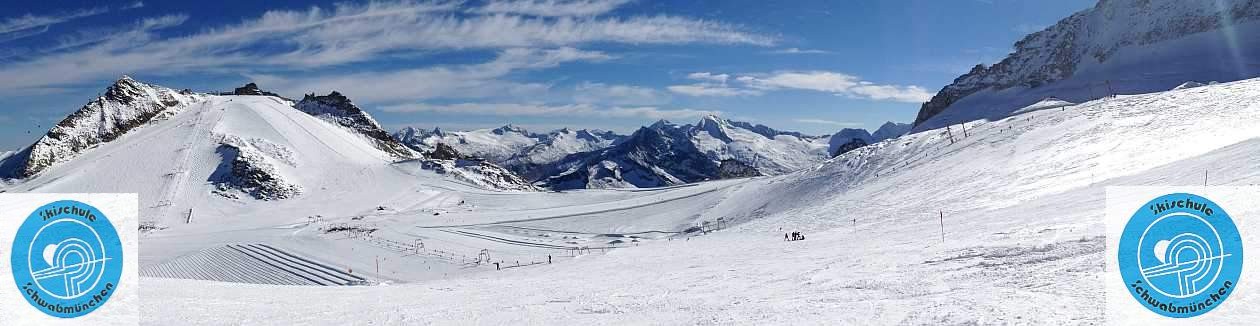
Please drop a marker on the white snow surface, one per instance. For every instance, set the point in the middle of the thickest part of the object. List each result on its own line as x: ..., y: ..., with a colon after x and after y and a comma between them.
x: 1020, y: 242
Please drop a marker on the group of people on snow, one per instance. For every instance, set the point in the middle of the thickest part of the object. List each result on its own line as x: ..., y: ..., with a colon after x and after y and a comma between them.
x: 793, y: 236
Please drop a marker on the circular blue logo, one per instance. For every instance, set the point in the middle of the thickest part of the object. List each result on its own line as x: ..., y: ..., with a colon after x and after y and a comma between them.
x: 1180, y: 255
x: 67, y: 259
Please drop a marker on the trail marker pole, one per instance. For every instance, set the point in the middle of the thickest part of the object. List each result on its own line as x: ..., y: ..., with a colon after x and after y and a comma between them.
x: 942, y: 226
x: 949, y: 131
x: 1205, y: 173
x: 964, y: 128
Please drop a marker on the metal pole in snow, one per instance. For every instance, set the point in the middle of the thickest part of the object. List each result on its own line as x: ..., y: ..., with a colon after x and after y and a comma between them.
x: 942, y: 226
x: 1205, y: 172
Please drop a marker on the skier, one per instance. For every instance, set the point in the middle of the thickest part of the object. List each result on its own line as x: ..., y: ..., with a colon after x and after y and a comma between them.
x: 548, y: 259
x: 785, y: 237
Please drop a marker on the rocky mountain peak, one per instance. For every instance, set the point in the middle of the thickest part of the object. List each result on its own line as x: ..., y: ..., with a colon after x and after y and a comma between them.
x: 125, y: 105
x: 252, y: 89
x: 338, y: 109
x: 1091, y: 39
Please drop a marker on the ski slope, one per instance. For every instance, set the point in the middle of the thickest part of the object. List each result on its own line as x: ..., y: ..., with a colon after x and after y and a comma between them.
x: 1021, y: 234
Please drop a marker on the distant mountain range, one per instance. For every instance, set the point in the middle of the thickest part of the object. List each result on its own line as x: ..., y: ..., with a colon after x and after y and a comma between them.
x: 661, y: 154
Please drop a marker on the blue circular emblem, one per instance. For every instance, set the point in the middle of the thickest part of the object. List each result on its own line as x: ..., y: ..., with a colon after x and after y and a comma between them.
x: 1180, y: 255
x: 67, y: 259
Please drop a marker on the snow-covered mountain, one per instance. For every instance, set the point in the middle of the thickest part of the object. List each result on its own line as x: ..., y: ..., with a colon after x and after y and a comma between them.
x: 848, y: 139
x: 125, y: 105
x: 669, y: 154
x: 555, y: 146
x: 494, y: 145
x: 181, y: 151
x: 512, y: 147
x: 1115, y: 47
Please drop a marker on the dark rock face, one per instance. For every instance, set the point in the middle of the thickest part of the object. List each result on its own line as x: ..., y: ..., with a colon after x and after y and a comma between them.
x: 338, y: 109
x: 852, y: 144
x: 252, y: 89
x: 731, y: 168
x: 1090, y: 36
x: 443, y: 151
x: 246, y: 170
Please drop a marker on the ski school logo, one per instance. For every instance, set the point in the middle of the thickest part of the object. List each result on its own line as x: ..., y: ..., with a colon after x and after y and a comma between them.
x: 1180, y: 255
x: 67, y: 259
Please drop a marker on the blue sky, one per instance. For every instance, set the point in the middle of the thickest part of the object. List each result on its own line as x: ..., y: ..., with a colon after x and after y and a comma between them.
x: 805, y: 65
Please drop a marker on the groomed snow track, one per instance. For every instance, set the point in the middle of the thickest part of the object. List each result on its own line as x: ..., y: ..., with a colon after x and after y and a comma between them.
x: 252, y: 263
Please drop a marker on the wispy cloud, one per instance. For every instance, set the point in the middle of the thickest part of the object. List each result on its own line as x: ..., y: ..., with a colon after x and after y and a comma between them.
x: 816, y: 80
x: 798, y: 51
x: 455, y: 81
x: 600, y: 93
x: 828, y: 122
x: 709, y: 89
x: 349, y: 33
x: 709, y: 77
x: 551, y: 8
x: 711, y: 84
x: 30, y: 25
x: 536, y: 110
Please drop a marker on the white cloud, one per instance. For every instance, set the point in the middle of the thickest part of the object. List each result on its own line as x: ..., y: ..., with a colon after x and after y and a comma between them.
x: 816, y: 80
x: 29, y: 21
x: 798, y: 51
x: 551, y: 8
x: 600, y: 93
x: 828, y: 122
x: 822, y: 81
x: 911, y: 94
x: 535, y: 110
x: 30, y: 25
x: 835, y: 83
x: 710, y: 89
x: 708, y: 76
x: 456, y: 81
x: 348, y: 33
x: 711, y: 85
